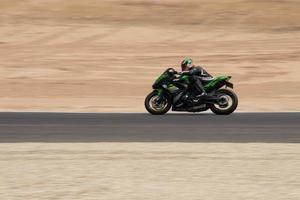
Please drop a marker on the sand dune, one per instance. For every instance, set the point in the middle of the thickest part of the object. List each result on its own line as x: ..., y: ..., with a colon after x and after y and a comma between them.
x: 102, y: 56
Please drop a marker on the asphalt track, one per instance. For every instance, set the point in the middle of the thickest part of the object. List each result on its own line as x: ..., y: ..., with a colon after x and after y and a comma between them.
x: 95, y: 127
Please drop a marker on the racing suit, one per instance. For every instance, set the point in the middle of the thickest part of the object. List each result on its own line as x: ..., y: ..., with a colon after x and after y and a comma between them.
x: 199, y: 75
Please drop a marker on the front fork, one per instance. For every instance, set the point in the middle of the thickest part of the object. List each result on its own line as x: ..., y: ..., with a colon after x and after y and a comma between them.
x: 159, y: 92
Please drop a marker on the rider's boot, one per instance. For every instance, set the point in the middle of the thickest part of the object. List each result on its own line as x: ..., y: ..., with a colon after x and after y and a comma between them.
x: 202, y: 95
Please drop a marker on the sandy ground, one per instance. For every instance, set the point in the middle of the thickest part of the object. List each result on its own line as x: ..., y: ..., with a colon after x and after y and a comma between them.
x: 103, y: 56
x: 150, y: 171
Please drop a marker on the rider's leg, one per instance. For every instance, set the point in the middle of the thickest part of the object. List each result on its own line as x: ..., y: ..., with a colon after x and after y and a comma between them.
x: 199, y: 87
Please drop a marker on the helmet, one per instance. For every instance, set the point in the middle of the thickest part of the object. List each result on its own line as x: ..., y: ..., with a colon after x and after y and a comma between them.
x: 186, y: 64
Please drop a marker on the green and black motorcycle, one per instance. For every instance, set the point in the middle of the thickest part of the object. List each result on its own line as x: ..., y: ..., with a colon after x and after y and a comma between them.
x: 177, y: 91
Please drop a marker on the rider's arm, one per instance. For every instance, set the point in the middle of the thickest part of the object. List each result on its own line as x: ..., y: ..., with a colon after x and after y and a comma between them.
x: 205, y: 73
x: 202, y: 72
x: 185, y: 73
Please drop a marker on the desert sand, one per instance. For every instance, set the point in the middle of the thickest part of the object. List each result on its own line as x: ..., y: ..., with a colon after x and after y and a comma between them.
x: 150, y: 171
x: 103, y: 56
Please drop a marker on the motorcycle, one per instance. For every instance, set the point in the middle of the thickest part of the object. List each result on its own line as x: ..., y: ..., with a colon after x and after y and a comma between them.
x: 177, y: 91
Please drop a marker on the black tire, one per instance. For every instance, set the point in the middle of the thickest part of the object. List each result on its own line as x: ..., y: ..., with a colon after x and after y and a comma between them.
x: 157, y: 112
x: 231, y: 109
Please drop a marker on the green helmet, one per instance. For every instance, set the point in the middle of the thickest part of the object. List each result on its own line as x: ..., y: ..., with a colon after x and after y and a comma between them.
x: 186, y: 63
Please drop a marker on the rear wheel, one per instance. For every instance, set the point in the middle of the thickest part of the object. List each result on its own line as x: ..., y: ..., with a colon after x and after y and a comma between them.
x: 157, y: 105
x: 227, y: 103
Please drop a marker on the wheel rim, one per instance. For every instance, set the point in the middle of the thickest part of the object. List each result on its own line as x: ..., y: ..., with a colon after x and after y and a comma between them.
x: 225, y: 102
x: 156, y: 106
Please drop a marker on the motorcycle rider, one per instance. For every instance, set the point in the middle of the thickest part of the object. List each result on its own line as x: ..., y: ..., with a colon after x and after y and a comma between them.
x: 198, y: 75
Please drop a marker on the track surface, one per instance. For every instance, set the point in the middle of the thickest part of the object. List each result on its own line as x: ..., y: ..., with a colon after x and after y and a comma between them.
x: 92, y: 127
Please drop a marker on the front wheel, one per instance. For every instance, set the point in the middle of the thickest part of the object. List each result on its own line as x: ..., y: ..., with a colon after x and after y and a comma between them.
x: 157, y: 105
x: 227, y: 103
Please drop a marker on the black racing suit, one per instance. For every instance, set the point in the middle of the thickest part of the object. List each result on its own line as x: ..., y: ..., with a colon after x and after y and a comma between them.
x: 199, y: 75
